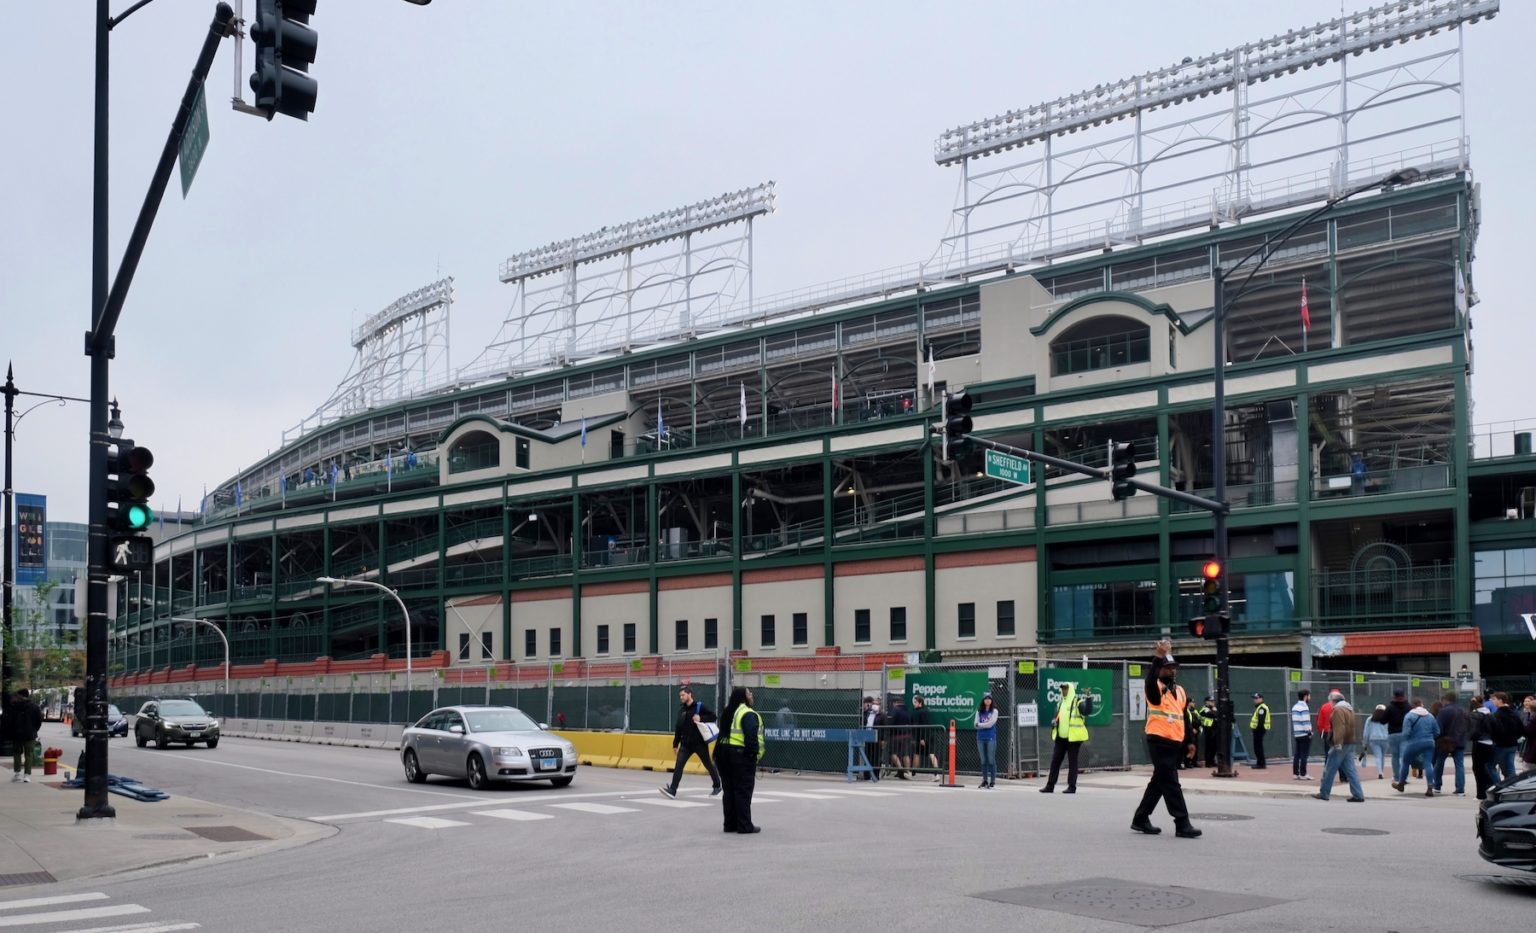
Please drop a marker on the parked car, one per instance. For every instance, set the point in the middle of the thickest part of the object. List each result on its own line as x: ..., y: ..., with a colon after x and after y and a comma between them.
x: 483, y: 745
x: 167, y: 721
x: 117, y: 723
x: 1506, y: 823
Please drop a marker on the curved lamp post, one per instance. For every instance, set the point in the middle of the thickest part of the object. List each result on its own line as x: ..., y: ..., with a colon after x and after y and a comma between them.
x: 343, y: 581
x: 222, y: 637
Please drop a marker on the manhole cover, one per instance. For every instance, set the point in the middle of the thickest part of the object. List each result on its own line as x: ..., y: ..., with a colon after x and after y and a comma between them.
x: 1220, y: 817
x: 161, y: 836
x: 1509, y: 881
x: 30, y: 877
x: 1123, y: 898
x: 227, y: 834
x: 1354, y: 831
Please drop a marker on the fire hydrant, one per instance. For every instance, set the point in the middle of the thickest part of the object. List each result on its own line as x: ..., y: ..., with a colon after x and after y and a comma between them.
x: 51, y: 760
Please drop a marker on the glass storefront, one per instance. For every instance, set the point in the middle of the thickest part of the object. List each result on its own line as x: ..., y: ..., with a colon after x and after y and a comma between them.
x: 1505, y: 592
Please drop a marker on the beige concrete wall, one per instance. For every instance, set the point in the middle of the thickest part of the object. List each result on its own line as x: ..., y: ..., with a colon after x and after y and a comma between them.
x: 878, y: 592
x: 615, y: 611
x: 541, y: 616
x: 782, y: 599
x: 694, y: 605
x: 474, y: 620
x: 984, y: 586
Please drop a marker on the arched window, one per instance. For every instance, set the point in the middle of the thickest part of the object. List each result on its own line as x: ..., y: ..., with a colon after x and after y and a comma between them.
x: 1100, y: 343
x: 476, y: 450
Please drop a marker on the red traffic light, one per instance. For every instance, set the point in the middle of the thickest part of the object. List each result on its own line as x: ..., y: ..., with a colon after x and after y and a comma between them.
x: 1211, y: 570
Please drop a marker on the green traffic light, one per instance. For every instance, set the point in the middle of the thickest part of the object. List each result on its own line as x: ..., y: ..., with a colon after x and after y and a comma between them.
x: 139, y: 517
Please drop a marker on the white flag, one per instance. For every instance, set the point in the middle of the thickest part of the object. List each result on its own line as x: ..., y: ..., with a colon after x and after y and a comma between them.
x: 930, y: 369
x: 743, y: 404
x: 1461, y: 291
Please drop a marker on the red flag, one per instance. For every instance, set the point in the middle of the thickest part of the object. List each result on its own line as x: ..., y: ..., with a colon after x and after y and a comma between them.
x: 1306, y: 317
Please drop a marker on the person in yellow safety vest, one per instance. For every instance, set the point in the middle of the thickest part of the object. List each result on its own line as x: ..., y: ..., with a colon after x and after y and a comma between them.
x: 1208, y: 726
x: 1192, y: 759
x: 737, y: 751
x: 1258, y: 723
x: 1069, y: 729
x: 1167, y: 742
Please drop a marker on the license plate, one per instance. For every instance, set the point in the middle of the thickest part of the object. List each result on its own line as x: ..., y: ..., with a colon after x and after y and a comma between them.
x: 194, y: 731
x: 547, y: 764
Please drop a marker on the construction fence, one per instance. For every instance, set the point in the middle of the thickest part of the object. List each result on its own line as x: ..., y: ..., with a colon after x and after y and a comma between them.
x: 810, y: 705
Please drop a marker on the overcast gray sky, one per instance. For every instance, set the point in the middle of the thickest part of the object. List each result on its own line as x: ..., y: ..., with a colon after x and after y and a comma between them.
x: 451, y: 136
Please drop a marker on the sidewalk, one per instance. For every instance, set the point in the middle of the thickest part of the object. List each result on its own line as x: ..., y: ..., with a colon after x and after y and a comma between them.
x: 42, y: 842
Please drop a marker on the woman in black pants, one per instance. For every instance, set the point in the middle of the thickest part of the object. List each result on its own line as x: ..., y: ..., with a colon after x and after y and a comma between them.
x: 737, y: 752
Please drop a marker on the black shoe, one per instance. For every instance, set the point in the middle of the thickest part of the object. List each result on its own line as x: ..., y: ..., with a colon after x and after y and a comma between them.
x: 1356, y: 799
x: 1047, y: 790
x: 731, y: 829
x: 903, y: 776
x: 1187, y: 831
x: 1070, y: 790
x: 748, y: 832
x: 1145, y: 826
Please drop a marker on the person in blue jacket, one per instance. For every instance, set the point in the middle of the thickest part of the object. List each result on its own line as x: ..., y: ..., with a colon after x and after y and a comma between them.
x: 986, y: 740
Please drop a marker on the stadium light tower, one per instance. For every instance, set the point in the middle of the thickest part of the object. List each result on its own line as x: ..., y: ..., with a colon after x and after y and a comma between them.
x: 1264, y: 251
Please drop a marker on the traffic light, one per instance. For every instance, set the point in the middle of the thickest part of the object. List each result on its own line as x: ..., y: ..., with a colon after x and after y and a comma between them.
x: 1122, y: 466
x: 956, y: 414
x: 1197, y: 628
x: 128, y: 513
x: 1217, y: 622
x: 285, y: 48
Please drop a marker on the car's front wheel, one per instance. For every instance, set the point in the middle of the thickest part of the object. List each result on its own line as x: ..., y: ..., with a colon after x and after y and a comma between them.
x: 413, y: 772
x: 477, y: 776
x: 562, y: 781
x: 213, y: 743
x: 161, y: 741
x: 138, y: 739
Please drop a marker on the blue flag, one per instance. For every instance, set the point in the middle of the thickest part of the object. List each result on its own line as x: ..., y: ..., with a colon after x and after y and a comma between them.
x: 583, y: 430
x: 239, y: 498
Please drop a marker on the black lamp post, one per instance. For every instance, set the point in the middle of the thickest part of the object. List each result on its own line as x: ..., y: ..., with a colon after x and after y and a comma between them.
x: 1264, y: 251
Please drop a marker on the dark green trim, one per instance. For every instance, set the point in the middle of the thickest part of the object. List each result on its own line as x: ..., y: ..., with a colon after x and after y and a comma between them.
x: 1155, y: 309
x: 828, y: 624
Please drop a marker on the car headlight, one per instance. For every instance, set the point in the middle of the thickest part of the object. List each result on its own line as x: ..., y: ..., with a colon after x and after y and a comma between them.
x: 168, y: 723
x: 509, y: 752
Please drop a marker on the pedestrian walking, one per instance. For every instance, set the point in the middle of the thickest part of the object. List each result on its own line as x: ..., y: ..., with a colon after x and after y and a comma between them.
x: 1397, y: 711
x: 1376, y: 739
x: 1452, y: 742
x: 1480, y: 738
x: 737, y: 752
x: 922, y: 726
x: 1069, y: 730
x: 1208, y: 728
x: 1507, y: 729
x: 1324, y: 721
x: 1343, y: 746
x: 23, y: 719
x: 1167, y: 742
x: 688, y: 740
x: 900, y: 740
x: 1301, y: 734
x: 986, y: 740
x: 1258, y: 724
x: 1419, y: 733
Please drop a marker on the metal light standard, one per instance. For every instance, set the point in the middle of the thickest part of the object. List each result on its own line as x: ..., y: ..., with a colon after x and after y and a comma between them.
x: 222, y: 637
x: 343, y: 581
x: 1264, y: 251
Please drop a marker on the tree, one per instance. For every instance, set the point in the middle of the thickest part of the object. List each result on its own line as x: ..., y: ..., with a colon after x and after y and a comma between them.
x: 41, y: 660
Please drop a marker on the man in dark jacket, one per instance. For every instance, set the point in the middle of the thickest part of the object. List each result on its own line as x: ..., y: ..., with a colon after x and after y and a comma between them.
x: 688, y: 740
x: 23, y: 720
x: 1506, y: 731
x: 1454, y: 727
x: 1397, y: 710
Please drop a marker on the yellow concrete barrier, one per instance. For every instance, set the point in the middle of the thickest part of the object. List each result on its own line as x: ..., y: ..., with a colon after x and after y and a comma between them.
x: 603, y: 749
x: 648, y: 752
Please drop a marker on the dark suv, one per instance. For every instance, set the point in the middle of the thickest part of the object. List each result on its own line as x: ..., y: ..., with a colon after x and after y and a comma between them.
x: 167, y: 721
x: 117, y: 723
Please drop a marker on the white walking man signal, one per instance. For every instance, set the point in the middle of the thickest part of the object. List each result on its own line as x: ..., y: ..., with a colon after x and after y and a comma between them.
x: 120, y: 553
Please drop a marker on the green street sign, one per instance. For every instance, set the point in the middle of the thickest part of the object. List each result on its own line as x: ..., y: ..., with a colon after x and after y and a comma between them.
x: 194, y: 142
x: 1007, y: 467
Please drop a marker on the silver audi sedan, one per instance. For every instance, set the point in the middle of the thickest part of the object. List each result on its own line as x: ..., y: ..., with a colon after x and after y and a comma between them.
x: 483, y: 744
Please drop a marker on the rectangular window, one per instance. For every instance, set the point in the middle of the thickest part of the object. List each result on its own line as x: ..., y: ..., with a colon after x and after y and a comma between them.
x: 767, y: 640
x: 861, y: 626
x: 1005, y: 618
x: 523, y: 447
x: 629, y: 638
x: 531, y: 643
x: 554, y: 642
x: 602, y: 639
x: 680, y: 640
x: 898, y: 623
x: 802, y: 628
x: 967, y: 620
x: 487, y: 646
x: 711, y: 634
x: 463, y: 646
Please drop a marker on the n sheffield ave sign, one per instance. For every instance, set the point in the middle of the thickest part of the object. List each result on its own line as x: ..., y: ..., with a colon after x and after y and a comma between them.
x: 1007, y: 467
x: 194, y: 141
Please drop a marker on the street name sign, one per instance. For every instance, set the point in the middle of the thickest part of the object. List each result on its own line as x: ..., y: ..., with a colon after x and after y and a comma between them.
x: 1007, y: 468
x: 194, y: 142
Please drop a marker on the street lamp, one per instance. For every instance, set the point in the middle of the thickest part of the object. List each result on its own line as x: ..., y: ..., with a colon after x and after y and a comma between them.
x: 343, y: 581
x: 1264, y: 251
x: 222, y: 637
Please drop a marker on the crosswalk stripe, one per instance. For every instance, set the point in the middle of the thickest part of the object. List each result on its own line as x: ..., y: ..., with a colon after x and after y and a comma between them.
x: 427, y: 822
x: 64, y: 916
x: 139, y: 928
x: 50, y: 901
x: 675, y: 804
x: 861, y: 793
x: 798, y: 795
x: 523, y: 815
x: 601, y: 808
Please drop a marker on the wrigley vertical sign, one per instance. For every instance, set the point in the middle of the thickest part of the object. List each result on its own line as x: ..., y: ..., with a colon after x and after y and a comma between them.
x: 949, y: 696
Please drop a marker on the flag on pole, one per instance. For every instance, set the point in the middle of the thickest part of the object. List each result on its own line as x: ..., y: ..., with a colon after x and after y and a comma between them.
x: 837, y: 401
x: 1306, y: 316
x: 161, y: 518
x: 930, y: 369
x: 335, y: 471
x: 1461, y: 291
x: 583, y: 438
x: 282, y: 488
x: 239, y: 498
x: 661, y: 424
x: 178, y: 510
x: 743, y: 404
x: 202, y: 507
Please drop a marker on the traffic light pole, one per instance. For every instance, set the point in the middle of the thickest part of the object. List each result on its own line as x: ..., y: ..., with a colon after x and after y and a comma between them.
x: 1224, y: 709
x: 106, y: 305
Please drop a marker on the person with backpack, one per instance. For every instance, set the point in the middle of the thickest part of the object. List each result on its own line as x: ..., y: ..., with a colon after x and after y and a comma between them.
x: 688, y: 740
x: 1452, y: 742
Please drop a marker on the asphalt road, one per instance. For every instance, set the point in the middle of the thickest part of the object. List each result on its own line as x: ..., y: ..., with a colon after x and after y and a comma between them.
x: 611, y: 852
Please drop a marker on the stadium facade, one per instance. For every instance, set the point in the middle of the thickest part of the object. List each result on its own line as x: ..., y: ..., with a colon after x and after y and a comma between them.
x: 769, y: 484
